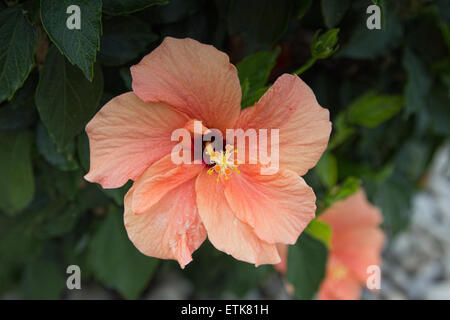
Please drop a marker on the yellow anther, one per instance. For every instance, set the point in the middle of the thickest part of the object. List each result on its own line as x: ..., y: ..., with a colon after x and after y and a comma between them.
x: 223, y: 161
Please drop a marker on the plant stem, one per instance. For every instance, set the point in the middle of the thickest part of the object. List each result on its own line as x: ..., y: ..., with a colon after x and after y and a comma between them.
x: 306, y: 66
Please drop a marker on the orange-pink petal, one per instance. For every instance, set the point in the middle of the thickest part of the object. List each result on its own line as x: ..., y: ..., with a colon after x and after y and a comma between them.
x: 290, y: 106
x: 170, y: 229
x: 225, y: 231
x: 126, y: 136
x: 357, y: 240
x: 158, y: 180
x: 355, y: 211
x: 278, y: 207
x: 339, y: 283
x: 283, y: 252
x: 194, y: 78
x: 358, y: 249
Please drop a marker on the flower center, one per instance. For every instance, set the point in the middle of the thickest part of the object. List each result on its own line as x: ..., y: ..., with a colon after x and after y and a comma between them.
x: 223, y: 162
x: 339, y: 272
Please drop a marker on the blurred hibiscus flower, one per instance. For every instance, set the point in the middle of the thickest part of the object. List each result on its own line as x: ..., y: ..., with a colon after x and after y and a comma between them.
x: 356, y: 244
x: 170, y: 209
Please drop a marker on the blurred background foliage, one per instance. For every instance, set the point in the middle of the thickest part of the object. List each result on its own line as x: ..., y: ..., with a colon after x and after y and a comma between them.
x: 388, y: 92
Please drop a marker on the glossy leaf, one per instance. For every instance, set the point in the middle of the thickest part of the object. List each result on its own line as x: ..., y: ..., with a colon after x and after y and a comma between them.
x: 78, y: 45
x: 17, y: 41
x: 65, y: 99
x: 372, y: 109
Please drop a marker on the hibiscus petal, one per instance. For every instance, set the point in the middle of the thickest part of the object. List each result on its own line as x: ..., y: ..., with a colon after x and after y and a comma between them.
x: 354, y: 212
x: 283, y: 252
x: 126, y: 136
x: 290, y: 106
x: 343, y: 287
x: 358, y: 249
x: 278, y: 207
x: 194, y: 78
x: 158, y: 180
x: 225, y: 231
x: 171, y: 229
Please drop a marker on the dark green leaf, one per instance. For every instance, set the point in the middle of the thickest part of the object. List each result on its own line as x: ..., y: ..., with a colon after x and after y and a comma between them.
x: 78, y: 45
x: 342, y: 131
x: 116, y: 262
x: 346, y: 189
x: 260, y: 22
x: 253, y: 72
x: 18, y: 242
x: 17, y: 41
x: 439, y: 110
x: 418, y: 85
x: 65, y: 99
x: 370, y: 44
x: 123, y: 40
x: 16, y: 171
x: 63, y: 158
x: 394, y: 199
x: 372, y: 109
x: 174, y: 11
x: 117, y: 194
x: 43, y: 279
x: 307, y: 261
x: 119, y: 7
x: 333, y: 11
x: 327, y: 169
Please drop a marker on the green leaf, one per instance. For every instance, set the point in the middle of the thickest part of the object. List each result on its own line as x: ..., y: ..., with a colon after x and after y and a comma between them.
x: 323, y: 45
x: 333, y: 11
x: 116, y: 262
x: 371, y: 44
x: 372, y: 109
x: 346, y: 189
x: 63, y: 158
x: 18, y: 242
x: 117, y: 194
x: 394, y: 199
x: 215, y: 273
x: 78, y: 45
x: 260, y: 22
x: 125, y: 74
x: 17, y: 41
x: 418, y: 85
x: 120, y: 7
x: 439, y: 110
x: 327, y: 169
x: 65, y: 99
x: 57, y: 182
x: 342, y: 131
x: 43, y: 279
x: 319, y: 230
x: 413, y: 149
x: 123, y: 39
x: 253, y: 71
x: 16, y: 171
x: 307, y: 261
x: 59, y: 219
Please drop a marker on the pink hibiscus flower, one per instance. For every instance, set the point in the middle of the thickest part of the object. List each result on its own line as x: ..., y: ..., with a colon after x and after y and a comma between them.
x: 170, y: 209
x: 356, y: 244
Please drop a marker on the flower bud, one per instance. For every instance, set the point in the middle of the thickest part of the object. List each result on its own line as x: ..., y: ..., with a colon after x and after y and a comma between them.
x: 323, y: 46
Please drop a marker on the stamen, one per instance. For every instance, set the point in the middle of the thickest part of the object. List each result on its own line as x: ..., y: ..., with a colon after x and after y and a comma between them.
x: 223, y: 161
